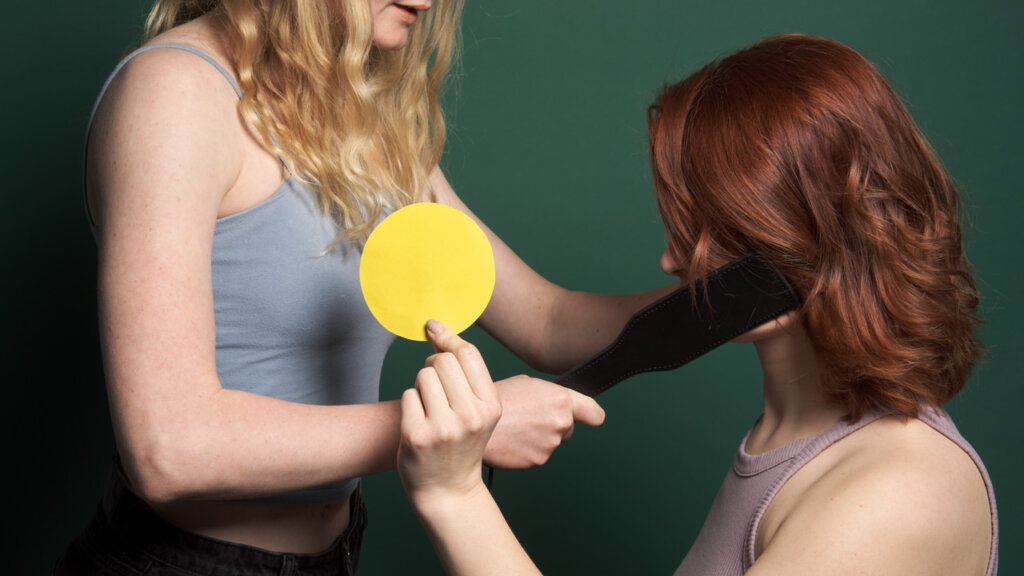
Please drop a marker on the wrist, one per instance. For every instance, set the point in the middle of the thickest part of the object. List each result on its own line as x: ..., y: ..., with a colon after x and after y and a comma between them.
x: 438, y: 502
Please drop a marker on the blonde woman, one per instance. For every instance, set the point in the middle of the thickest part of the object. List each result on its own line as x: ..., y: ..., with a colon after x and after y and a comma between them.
x: 234, y: 163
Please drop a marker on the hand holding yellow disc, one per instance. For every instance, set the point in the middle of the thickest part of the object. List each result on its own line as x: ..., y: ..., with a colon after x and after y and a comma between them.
x: 426, y: 261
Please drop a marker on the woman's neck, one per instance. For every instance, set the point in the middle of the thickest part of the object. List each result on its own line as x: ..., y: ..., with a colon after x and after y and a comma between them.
x: 795, y: 405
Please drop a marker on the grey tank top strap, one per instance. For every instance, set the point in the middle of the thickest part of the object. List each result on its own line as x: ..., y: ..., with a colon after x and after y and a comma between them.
x: 117, y: 69
x: 186, y: 48
x: 227, y: 75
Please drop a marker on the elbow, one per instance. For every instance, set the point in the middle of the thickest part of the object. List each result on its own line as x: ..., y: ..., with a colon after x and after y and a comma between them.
x: 547, y: 352
x: 159, y: 471
x: 551, y: 352
x: 564, y: 339
x: 545, y: 363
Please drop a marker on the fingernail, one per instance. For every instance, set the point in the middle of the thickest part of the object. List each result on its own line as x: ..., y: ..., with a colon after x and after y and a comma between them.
x: 434, y: 327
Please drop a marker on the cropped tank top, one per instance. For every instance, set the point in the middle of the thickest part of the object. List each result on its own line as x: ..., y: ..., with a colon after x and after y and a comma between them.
x: 290, y: 323
x: 725, y: 544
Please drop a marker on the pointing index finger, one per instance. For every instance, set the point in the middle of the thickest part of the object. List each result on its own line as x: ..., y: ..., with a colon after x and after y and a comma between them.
x: 446, y: 340
x: 443, y: 339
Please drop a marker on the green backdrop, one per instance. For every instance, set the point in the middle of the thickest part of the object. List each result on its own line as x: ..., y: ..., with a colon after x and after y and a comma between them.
x: 547, y: 144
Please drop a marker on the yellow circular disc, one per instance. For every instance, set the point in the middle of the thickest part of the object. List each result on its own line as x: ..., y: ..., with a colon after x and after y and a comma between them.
x: 426, y: 261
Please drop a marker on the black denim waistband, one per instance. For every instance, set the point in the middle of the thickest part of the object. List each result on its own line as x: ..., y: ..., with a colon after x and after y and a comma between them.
x: 140, y: 532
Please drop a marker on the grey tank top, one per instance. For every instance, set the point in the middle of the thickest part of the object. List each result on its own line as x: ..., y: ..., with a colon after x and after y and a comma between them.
x: 291, y: 324
x: 725, y: 544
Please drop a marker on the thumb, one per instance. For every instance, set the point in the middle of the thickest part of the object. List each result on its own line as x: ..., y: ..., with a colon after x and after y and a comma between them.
x: 586, y: 410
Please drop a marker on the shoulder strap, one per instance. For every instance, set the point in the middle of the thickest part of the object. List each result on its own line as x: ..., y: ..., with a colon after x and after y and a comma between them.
x: 120, y: 65
x: 133, y: 54
x: 940, y: 420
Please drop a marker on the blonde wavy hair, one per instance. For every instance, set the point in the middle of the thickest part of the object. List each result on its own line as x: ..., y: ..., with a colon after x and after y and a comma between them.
x: 361, y: 126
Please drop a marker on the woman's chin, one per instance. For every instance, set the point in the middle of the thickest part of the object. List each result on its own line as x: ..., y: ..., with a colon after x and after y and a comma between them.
x: 391, y: 39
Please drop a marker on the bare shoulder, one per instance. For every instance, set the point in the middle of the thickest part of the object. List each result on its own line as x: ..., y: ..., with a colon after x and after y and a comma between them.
x: 166, y: 82
x: 894, y: 497
x: 167, y: 117
x: 162, y: 75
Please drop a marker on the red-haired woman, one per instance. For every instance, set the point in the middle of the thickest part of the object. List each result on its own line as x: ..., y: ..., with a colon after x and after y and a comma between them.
x: 796, y: 147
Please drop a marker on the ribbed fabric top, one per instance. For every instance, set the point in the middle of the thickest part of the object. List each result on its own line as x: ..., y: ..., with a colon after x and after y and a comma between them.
x: 725, y: 544
x: 290, y: 323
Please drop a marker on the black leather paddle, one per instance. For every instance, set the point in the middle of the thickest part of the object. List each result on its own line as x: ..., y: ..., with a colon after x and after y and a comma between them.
x: 676, y: 329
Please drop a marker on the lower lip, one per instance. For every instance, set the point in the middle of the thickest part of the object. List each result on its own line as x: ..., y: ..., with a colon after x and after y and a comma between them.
x: 407, y: 17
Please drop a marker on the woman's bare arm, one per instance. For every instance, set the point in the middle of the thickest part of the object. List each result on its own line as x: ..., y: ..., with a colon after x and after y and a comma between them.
x: 446, y: 421
x: 163, y: 153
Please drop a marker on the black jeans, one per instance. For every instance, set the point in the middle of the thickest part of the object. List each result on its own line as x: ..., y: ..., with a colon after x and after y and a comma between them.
x: 126, y: 538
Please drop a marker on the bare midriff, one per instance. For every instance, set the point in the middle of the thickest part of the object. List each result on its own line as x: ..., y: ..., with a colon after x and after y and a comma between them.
x: 290, y: 528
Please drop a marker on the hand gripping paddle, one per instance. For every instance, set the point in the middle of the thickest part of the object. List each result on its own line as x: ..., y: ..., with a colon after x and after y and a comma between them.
x: 679, y: 327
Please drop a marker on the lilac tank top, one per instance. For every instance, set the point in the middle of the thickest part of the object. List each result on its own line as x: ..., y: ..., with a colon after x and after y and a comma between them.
x: 725, y: 545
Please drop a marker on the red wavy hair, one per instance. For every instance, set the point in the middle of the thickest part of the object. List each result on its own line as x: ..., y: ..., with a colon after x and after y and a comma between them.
x: 798, y: 147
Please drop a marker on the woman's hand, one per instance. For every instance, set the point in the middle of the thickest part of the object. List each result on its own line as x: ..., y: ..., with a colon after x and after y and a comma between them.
x: 447, y: 419
x: 446, y: 422
x: 538, y: 417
